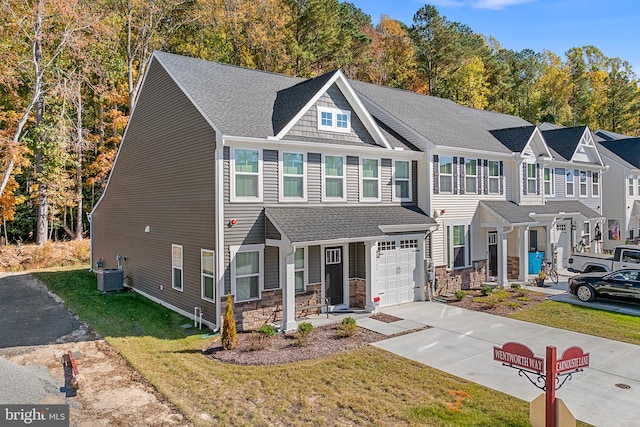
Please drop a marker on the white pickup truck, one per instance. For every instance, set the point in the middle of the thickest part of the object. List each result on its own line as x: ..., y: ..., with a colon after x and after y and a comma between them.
x: 624, y: 256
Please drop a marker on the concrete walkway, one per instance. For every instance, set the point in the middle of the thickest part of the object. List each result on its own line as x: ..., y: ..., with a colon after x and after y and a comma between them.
x: 461, y: 343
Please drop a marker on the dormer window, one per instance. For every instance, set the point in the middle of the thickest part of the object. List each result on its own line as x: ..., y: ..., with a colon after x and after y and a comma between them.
x: 334, y: 120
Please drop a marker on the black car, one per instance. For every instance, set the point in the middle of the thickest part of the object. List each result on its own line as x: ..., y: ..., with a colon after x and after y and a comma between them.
x: 621, y: 284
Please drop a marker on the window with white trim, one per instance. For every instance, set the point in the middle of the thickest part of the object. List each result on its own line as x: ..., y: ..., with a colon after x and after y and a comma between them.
x: 595, y: 184
x: 334, y: 172
x: 247, y: 272
x: 293, y: 176
x: 494, y: 177
x: 630, y: 185
x: 458, y: 245
x: 569, y: 183
x: 369, y: 179
x: 207, y: 271
x: 176, y: 267
x: 586, y: 232
x: 583, y: 183
x: 446, y: 174
x: 300, y: 270
x: 531, y: 178
x: 246, y: 170
x: 549, y: 182
x: 408, y: 244
x: 402, y: 180
x: 470, y: 175
x: 334, y: 120
x: 638, y: 192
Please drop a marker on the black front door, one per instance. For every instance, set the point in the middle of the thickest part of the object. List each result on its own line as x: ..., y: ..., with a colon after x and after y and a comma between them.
x: 333, y: 275
x: 493, y: 254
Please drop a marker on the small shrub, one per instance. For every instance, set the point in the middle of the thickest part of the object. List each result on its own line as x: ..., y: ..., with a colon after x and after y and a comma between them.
x: 347, y: 328
x: 267, y: 331
x: 524, y: 299
x: 516, y: 286
x: 304, y: 330
x: 486, y: 290
x: 229, y: 335
x: 513, y: 304
x: 460, y: 295
x: 521, y: 292
x: 257, y: 341
x: 496, y: 298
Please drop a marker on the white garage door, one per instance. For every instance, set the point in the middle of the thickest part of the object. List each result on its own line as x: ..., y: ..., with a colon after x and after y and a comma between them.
x: 397, y: 272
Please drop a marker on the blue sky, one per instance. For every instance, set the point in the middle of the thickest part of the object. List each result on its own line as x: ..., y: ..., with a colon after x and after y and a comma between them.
x: 613, y: 26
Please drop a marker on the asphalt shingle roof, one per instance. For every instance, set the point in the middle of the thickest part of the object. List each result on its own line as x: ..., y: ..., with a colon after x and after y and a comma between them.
x: 627, y: 149
x: 604, y: 151
x: 313, y: 224
x: 515, y: 139
x: 439, y: 120
x: 564, y: 141
x: 521, y: 214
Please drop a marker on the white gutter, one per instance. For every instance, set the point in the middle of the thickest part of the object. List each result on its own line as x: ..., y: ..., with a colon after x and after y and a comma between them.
x: 219, y: 227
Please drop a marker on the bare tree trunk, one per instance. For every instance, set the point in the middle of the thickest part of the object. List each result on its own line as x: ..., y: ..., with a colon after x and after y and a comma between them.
x: 79, y: 166
x: 41, y: 200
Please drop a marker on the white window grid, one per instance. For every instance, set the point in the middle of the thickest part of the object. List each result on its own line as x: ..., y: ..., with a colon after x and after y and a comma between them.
x: 549, y: 184
x: 333, y: 256
x: 561, y: 227
x: 446, y: 176
x: 206, y: 274
x: 408, y: 244
x: 364, y: 179
x: 388, y: 245
x: 334, y: 120
x: 396, y: 196
x: 583, y: 183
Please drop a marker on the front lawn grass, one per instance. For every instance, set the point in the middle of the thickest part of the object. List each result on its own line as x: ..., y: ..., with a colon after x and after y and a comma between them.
x: 599, y: 323
x: 368, y: 386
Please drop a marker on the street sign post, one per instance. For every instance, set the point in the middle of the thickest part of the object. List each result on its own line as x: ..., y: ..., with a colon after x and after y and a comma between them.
x: 552, y: 372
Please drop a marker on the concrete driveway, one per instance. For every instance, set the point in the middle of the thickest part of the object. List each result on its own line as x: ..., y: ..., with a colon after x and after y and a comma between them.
x: 29, y: 315
x: 461, y: 343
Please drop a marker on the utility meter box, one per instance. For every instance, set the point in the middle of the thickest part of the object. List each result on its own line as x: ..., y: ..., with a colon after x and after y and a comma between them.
x: 110, y: 280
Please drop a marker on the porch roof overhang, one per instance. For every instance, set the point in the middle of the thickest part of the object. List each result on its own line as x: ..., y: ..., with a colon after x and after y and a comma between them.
x: 339, y: 224
x: 531, y: 215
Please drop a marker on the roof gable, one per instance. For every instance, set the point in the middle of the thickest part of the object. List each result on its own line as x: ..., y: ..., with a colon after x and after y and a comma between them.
x: 339, y: 80
x: 573, y: 144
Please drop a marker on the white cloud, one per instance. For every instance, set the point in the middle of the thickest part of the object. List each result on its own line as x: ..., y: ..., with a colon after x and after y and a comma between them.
x: 496, y: 4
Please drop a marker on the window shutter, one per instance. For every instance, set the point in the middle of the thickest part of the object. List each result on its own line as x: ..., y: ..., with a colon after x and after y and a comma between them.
x: 485, y: 177
x: 524, y: 178
x: 463, y: 174
x: 501, y: 179
x: 436, y: 174
x: 455, y: 175
x: 538, y: 178
x: 479, y: 172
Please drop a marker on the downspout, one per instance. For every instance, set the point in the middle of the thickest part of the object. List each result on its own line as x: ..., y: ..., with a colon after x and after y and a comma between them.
x: 219, y: 227
x: 90, y: 241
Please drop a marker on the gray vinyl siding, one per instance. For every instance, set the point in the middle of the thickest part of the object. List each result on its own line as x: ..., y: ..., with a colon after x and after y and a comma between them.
x: 271, y: 232
x: 270, y: 169
x: 307, y: 127
x: 271, y: 270
x: 314, y: 178
x: 164, y: 178
x: 386, y: 180
x: 315, y: 269
x: 357, y: 260
x: 353, y: 179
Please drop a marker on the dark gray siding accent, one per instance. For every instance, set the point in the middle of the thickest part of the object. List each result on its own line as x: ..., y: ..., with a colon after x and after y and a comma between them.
x: 271, y: 232
x: 307, y: 126
x: 271, y: 267
x: 164, y: 178
x: 414, y: 183
x: 314, y: 177
x: 353, y: 179
x: 357, y: 260
x: 270, y: 171
x: 315, y: 260
x: 227, y: 271
x: 386, y: 181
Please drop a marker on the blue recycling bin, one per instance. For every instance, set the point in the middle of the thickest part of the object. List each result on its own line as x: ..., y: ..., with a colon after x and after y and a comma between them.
x: 535, y: 261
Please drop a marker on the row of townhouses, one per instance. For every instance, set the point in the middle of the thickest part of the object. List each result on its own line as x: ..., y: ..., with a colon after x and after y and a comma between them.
x: 288, y: 192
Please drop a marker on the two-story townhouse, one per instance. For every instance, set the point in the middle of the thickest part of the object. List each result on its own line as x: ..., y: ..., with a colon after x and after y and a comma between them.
x: 575, y: 174
x: 621, y: 188
x: 277, y: 190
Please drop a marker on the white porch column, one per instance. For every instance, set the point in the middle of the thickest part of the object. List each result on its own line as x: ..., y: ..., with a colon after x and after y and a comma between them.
x: 502, y: 257
x: 371, y: 250
x: 289, y: 291
x: 523, y: 237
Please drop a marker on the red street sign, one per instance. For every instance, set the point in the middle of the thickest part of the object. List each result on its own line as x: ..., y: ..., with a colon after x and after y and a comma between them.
x: 573, y: 358
x: 516, y: 354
